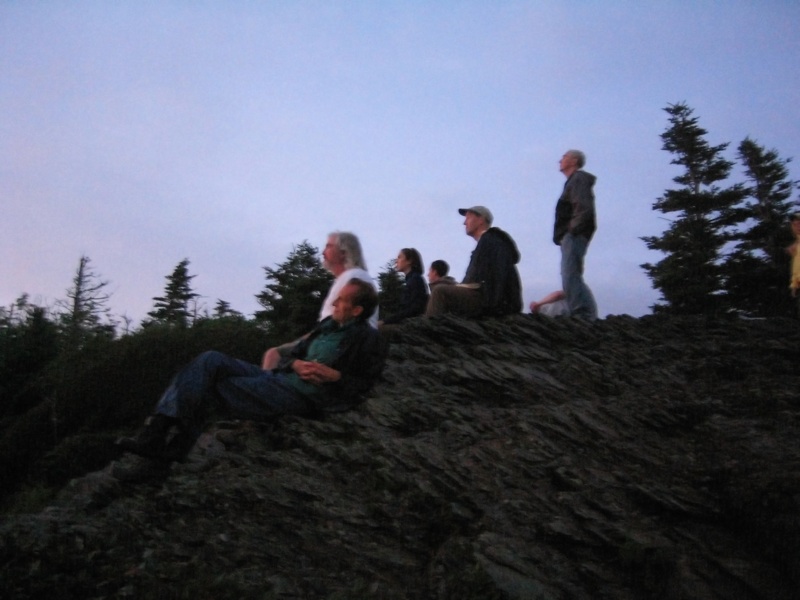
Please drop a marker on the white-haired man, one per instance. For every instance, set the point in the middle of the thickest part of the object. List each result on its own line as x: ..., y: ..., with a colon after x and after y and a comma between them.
x: 575, y: 224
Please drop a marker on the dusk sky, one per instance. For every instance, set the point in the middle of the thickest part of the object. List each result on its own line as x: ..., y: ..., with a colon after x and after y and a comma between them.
x: 143, y: 133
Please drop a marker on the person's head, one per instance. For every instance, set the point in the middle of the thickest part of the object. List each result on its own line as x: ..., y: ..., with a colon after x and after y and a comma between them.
x: 409, y: 261
x: 342, y: 252
x: 477, y: 219
x: 571, y: 162
x: 357, y: 300
x: 439, y: 269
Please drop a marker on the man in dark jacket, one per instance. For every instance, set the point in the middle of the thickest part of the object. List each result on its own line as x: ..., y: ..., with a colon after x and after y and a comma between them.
x: 329, y: 370
x: 574, y: 227
x: 491, y: 285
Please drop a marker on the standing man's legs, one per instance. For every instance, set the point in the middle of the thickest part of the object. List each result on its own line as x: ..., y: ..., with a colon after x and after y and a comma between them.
x: 579, y: 297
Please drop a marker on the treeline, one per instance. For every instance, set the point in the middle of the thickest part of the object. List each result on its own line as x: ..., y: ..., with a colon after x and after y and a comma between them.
x: 726, y: 245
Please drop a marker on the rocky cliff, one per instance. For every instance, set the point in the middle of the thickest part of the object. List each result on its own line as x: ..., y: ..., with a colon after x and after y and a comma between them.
x: 519, y: 458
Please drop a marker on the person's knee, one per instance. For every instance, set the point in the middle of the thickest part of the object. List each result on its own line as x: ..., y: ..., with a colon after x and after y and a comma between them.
x: 209, y: 358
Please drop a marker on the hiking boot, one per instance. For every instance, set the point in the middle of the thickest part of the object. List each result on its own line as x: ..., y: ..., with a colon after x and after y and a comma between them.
x: 179, y: 446
x: 152, y: 440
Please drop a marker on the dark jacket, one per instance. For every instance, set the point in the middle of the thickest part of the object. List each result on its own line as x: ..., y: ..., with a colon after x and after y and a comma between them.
x: 413, y: 299
x: 575, y: 208
x: 360, y: 358
x: 494, y: 266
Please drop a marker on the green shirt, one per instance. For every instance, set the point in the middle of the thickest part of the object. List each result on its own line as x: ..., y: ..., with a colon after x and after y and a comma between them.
x: 323, y: 349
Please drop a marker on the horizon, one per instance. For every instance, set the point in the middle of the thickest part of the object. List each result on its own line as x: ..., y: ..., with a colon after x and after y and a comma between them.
x: 140, y: 134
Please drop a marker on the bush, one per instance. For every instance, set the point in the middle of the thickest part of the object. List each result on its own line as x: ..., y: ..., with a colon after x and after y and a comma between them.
x: 106, y: 387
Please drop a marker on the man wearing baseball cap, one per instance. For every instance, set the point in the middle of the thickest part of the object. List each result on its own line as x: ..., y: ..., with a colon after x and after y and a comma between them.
x: 491, y: 285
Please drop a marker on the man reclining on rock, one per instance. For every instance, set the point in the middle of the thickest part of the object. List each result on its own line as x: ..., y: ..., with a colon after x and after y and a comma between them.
x: 328, y: 371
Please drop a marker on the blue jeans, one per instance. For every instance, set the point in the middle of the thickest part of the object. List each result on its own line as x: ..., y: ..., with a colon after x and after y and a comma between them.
x: 242, y: 390
x: 580, y: 299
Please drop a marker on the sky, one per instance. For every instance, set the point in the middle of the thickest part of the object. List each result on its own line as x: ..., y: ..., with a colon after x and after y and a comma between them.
x: 143, y: 133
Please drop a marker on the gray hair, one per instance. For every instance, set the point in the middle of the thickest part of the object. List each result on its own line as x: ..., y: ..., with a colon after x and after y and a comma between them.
x: 580, y: 157
x: 351, y: 249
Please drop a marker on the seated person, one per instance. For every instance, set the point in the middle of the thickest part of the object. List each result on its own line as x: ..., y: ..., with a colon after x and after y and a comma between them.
x: 329, y: 370
x: 438, y: 274
x: 552, y: 305
x: 414, y: 297
x: 491, y: 285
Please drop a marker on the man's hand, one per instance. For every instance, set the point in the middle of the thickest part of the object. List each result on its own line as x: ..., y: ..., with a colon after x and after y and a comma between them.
x: 315, y: 372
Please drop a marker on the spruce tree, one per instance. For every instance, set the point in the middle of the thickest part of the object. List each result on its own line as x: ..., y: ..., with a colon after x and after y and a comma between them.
x: 690, y: 277
x: 390, y: 286
x: 173, y: 308
x: 29, y: 342
x: 294, y: 292
x: 757, y: 268
x: 223, y: 310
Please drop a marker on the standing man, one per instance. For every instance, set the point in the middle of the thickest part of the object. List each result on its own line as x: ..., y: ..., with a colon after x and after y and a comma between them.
x: 575, y: 225
x: 491, y: 286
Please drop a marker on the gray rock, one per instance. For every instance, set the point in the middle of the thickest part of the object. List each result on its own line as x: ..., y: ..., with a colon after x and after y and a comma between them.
x: 518, y: 458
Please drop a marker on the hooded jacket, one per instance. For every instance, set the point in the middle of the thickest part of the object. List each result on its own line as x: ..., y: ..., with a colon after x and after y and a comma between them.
x: 493, y: 265
x: 575, y: 208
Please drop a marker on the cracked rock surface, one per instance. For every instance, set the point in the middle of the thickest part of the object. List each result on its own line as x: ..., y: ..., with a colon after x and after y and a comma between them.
x: 519, y: 458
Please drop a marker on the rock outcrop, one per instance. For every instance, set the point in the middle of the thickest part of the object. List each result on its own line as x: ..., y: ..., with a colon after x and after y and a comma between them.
x: 520, y: 458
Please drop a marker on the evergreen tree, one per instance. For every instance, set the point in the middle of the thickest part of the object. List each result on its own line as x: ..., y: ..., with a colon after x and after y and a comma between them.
x: 223, y: 310
x: 175, y: 306
x: 757, y: 269
x: 85, y: 311
x: 690, y: 276
x: 294, y: 293
x: 28, y: 344
x: 390, y: 289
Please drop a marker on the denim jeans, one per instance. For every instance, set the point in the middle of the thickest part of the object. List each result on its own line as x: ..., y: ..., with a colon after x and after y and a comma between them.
x: 580, y: 299
x: 217, y: 381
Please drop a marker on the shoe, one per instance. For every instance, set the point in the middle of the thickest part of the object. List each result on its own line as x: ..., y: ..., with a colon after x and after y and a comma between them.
x: 152, y: 440
x: 179, y: 446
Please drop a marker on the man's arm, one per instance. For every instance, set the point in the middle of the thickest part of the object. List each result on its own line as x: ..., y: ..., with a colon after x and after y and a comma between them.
x: 314, y: 372
x: 360, y: 367
x: 549, y: 299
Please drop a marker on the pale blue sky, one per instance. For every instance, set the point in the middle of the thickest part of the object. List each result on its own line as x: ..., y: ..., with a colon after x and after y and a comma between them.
x: 142, y: 133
